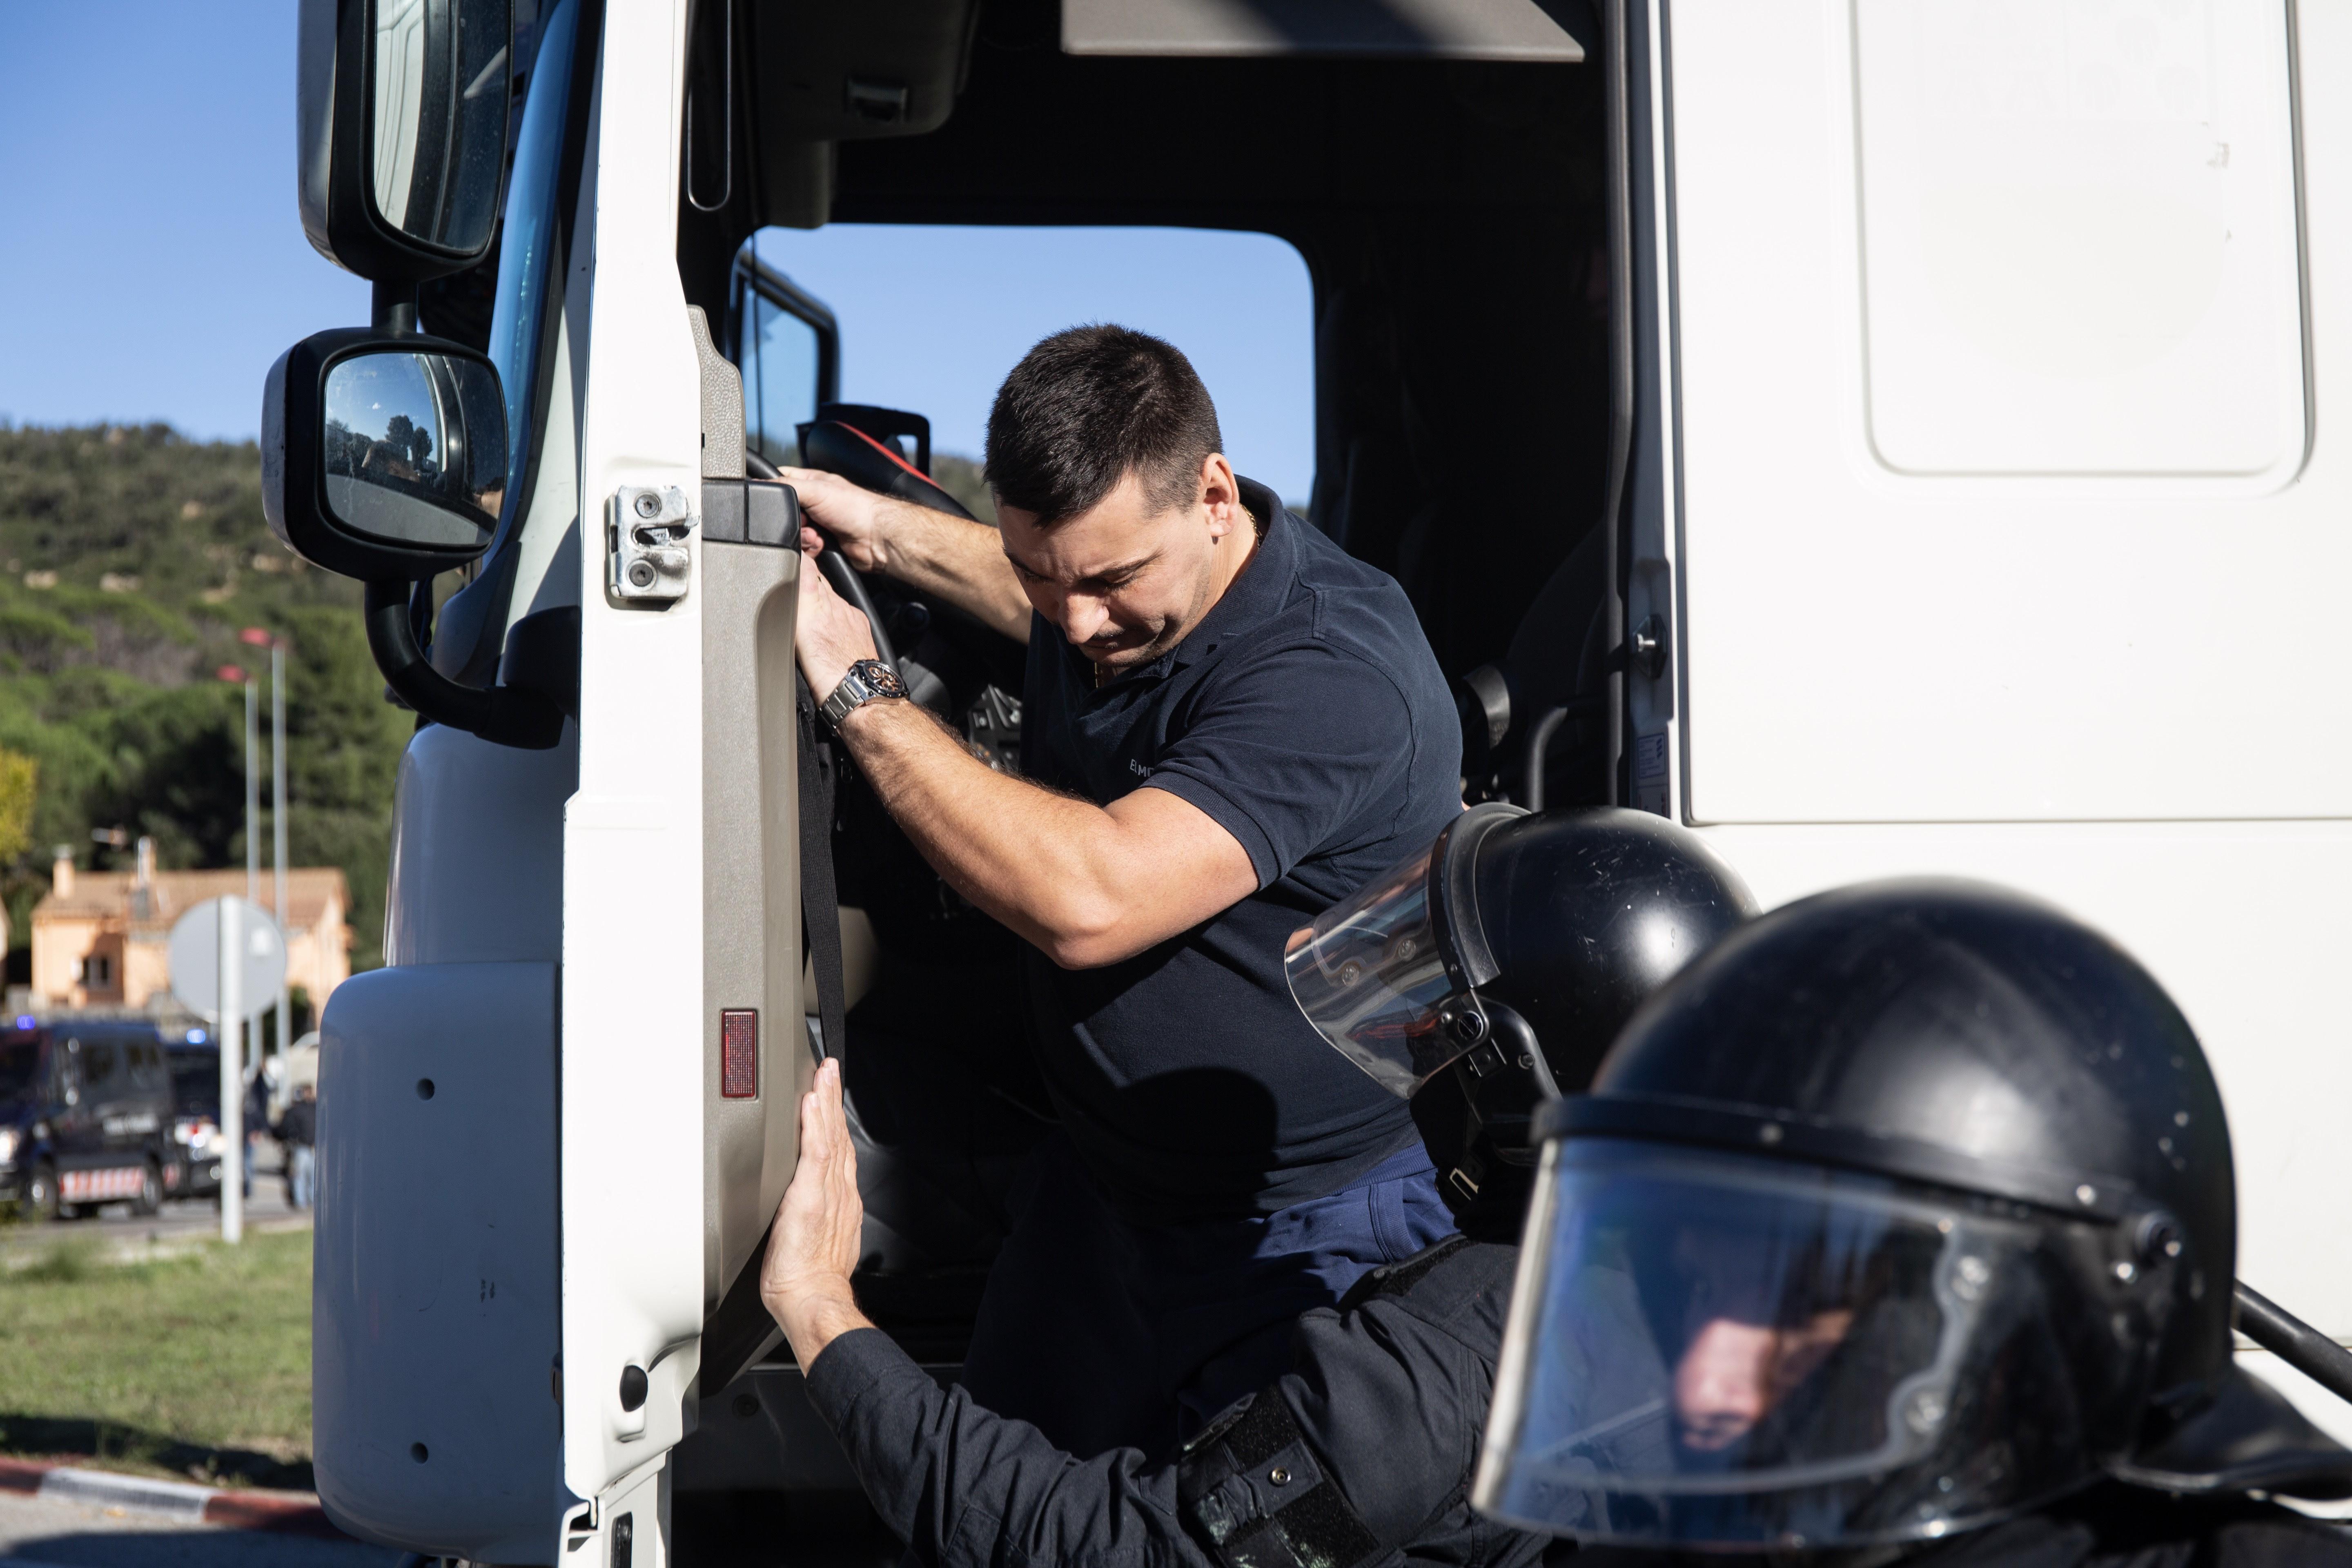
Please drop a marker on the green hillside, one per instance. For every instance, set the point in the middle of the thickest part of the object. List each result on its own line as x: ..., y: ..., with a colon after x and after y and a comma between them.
x: 130, y: 561
x: 960, y: 477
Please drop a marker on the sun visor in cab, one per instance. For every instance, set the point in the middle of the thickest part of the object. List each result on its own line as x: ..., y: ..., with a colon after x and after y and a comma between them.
x: 843, y: 73
x: 840, y: 447
x: 1520, y: 30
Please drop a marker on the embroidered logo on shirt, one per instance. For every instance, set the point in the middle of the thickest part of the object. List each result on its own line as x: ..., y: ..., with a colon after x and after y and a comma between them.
x: 1138, y: 769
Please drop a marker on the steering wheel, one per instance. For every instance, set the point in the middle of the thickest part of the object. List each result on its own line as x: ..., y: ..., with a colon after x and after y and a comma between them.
x: 846, y: 579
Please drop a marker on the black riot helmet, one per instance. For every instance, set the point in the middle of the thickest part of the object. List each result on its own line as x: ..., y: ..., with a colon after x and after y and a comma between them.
x: 1492, y: 968
x: 1905, y: 1209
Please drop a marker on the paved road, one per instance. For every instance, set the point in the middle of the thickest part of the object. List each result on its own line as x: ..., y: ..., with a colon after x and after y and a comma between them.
x: 36, y: 1532
x: 712, y: 1533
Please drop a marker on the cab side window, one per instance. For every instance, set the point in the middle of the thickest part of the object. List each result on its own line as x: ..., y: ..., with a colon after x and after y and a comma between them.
x: 788, y: 349
x: 780, y: 393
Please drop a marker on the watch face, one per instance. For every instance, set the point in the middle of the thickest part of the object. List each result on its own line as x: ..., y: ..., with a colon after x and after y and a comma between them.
x: 881, y: 678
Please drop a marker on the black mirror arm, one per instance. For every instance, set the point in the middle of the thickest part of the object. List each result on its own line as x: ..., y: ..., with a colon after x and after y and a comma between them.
x: 505, y: 715
x: 392, y: 308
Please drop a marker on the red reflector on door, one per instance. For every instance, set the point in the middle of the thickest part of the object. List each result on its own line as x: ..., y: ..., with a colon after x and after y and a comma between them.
x: 738, y: 1053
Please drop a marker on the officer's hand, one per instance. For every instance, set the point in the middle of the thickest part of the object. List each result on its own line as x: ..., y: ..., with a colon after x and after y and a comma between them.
x: 831, y: 634
x: 854, y: 517
x: 804, y: 1279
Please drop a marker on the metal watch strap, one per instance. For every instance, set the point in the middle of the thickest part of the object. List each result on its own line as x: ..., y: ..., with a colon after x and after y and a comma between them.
x: 865, y: 680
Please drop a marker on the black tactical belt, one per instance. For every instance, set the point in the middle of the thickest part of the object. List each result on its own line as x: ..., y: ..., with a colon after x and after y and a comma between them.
x: 1251, y: 1492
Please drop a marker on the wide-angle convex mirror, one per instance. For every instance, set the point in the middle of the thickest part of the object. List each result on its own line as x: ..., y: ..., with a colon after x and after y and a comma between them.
x: 384, y: 458
x: 402, y: 133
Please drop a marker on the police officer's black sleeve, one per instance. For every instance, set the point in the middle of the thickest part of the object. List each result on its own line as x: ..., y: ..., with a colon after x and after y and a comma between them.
x: 1382, y: 1415
x: 965, y: 1487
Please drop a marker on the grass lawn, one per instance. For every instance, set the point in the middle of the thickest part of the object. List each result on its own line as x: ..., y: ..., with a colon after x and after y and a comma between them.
x: 196, y: 1365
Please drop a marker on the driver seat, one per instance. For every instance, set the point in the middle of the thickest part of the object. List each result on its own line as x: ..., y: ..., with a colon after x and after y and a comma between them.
x: 857, y: 442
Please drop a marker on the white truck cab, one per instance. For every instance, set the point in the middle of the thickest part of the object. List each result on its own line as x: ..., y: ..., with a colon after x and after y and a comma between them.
x: 1884, y: 434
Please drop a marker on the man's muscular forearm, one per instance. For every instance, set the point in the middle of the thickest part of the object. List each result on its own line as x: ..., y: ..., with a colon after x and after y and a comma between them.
x: 963, y: 563
x: 1088, y: 885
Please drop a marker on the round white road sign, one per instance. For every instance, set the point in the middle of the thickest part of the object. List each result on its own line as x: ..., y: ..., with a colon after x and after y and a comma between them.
x: 196, y: 958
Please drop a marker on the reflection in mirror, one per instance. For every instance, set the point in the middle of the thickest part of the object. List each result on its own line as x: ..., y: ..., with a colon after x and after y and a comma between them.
x: 415, y: 448
x: 780, y: 381
x: 440, y: 117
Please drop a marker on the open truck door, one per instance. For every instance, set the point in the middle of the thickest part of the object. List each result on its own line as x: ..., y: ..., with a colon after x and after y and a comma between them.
x: 558, y: 1121
x: 682, y: 947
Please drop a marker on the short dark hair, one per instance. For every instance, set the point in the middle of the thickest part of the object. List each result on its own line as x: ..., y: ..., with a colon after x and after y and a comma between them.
x: 1087, y: 407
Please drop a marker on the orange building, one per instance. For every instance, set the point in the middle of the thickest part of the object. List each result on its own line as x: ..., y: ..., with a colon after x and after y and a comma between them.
x: 102, y: 939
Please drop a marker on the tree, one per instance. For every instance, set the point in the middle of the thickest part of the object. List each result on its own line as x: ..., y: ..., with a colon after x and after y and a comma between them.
x: 19, y: 778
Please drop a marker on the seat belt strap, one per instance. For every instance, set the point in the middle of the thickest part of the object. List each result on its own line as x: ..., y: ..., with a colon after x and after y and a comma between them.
x: 820, y: 898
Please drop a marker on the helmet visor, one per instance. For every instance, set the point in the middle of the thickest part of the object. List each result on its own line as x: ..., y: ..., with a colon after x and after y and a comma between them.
x: 1368, y: 976
x: 1711, y: 1349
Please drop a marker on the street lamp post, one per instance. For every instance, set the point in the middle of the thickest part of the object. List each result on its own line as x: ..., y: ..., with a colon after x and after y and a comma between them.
x: 230, y: 985
x: 256, y: 637
x: 252, y: 790
x: 278, y: 827
x: 232, y: 1033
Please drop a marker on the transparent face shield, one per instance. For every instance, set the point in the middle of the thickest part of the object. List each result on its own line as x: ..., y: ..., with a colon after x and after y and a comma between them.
x: 1714, y: 1351
x: 1368, y: 974
x: 1373, y: 973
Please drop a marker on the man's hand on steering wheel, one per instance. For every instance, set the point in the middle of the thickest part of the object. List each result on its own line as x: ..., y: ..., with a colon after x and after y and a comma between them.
x: 855, y: 519
x: 952, y: 559
x: 829, y: 633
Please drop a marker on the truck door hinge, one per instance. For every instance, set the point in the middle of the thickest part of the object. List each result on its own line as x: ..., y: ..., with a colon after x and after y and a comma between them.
x: 646, y: 546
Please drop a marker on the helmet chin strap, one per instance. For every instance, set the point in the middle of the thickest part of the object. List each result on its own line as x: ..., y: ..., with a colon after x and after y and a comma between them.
x: 1485, y: 1159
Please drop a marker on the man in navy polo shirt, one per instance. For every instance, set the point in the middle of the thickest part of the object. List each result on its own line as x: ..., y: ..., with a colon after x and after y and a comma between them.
x: 1229, y: 724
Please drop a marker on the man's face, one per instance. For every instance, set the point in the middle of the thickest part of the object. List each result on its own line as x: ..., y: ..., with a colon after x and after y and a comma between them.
x: 1125, y: 582
x: 1734, y: 1373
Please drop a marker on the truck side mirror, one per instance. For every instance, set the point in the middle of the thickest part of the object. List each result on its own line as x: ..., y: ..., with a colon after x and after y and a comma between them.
x: 383, y: 458
x: 402, y: 134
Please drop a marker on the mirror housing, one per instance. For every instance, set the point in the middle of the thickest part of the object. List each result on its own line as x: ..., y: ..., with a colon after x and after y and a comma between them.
x: 402, y: 131
x: 384, y: 458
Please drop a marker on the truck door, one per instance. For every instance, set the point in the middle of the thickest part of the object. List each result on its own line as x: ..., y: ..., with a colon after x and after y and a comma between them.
x: 1988, y: 513
x: 683, y: 1050
x: 555, y: 1126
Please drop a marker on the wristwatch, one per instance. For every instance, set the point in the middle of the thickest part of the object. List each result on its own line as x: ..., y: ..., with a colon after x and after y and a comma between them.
x: 867, y: 680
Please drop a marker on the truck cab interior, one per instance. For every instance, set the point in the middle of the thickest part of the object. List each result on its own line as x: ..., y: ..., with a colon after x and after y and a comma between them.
x: 1451, y: 211
x: 1446, y: 181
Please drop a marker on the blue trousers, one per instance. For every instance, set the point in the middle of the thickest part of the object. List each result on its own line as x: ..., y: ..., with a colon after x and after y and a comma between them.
x: 302, y: 1175
x: 1106, y: 1334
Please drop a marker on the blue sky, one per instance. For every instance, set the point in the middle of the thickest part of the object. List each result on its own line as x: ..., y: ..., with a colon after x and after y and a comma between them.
x: 932, y: 317
x: 152, y: 263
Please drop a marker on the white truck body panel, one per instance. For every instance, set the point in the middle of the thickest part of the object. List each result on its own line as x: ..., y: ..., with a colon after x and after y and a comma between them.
x: 2100, y: 580
x: 2009, y: 542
